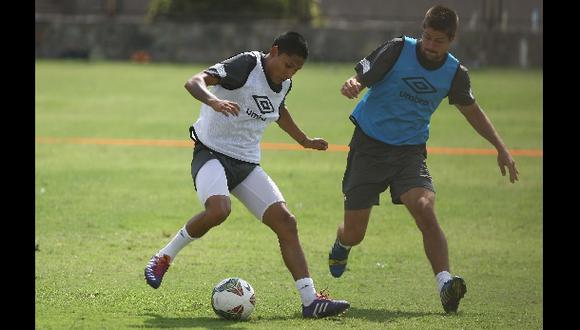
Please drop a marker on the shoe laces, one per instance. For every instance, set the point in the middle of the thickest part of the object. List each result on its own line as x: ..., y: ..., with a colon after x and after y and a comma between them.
x: 161, y: 265
x: 323, y: 294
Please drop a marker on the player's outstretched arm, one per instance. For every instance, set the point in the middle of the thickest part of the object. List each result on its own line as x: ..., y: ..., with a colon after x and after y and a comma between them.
x: 481, y: 123
x: 289, y: 126
x: 197, y: 87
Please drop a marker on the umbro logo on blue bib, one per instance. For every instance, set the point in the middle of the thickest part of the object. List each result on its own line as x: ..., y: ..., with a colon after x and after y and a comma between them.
x: 419, y: 85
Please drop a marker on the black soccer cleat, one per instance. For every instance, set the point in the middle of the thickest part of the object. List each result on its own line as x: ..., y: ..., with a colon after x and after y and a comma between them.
x: 323, y: 306
x: 451, y: 293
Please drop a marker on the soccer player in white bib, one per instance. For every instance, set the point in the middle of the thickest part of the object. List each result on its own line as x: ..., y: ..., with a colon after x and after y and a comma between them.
x: 248, y: 94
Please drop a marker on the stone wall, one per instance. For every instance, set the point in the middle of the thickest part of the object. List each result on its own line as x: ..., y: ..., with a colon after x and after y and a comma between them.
x: 103, y: 38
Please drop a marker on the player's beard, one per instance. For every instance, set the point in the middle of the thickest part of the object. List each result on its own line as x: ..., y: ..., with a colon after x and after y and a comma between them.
x: 432, y: 56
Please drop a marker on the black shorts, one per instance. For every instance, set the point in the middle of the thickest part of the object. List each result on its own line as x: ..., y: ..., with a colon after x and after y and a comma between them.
x: 236, y: 170
x: 373, y: 166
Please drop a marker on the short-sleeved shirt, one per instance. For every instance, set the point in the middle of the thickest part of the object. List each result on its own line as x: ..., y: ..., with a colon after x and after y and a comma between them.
x: 397, y: 110
x: 243, y: 80
x: 378, y: 63
x: 234, y: 71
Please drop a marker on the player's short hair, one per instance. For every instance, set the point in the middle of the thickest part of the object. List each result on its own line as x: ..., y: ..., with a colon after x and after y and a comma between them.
x: 441, y: 18
x: 292, y: 43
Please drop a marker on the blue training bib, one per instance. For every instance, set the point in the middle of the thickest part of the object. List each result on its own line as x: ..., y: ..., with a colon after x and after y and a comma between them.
x: 397, y: 109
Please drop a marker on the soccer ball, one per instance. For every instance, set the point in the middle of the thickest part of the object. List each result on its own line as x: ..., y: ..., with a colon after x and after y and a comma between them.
x: 233, y: 299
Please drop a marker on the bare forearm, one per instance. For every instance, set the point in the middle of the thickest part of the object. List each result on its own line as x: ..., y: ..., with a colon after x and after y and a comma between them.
x: 197, y: 87
x: 482, y: 125
x: 485, y: 128
x: 287, y: 124
x: 477, y: 118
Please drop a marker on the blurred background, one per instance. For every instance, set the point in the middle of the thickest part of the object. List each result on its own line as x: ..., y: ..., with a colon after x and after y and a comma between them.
x: 499, y: 33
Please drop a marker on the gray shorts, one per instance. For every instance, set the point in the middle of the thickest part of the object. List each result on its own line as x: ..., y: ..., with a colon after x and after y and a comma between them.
x: 373, y: 166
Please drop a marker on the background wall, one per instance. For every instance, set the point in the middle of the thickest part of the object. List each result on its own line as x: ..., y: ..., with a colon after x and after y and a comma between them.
x: 491, y: 32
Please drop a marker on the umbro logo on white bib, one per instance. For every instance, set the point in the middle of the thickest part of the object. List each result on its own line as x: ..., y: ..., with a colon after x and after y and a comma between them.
x: 263, y: 103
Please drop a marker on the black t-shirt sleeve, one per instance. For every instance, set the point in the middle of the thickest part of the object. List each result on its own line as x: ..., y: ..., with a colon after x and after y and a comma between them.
x: 373, y: 67
x: 460, y: 92
x: 234, y: 71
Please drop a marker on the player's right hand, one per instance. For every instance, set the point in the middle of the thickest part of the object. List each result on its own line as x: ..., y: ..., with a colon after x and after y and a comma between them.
x: 224, y: 106
x: 504, y: 159
x: 351, y: 88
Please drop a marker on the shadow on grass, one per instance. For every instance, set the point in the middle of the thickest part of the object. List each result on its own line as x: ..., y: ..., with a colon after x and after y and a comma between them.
x: 383, y: 315
x: 158, y: 322
x: 370, y: 315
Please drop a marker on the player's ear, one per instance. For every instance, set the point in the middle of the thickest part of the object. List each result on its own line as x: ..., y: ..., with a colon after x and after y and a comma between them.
x: 274, y: 50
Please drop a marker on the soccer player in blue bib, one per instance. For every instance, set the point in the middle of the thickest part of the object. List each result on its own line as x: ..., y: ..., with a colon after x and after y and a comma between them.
x: 247, y: 93
x: 407, y: 79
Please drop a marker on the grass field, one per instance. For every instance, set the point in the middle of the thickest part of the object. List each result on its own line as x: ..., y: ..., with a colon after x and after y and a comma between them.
x: 103, y: 210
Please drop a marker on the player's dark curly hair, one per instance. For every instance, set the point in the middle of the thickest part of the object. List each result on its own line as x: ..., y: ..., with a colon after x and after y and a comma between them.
x: 441, y: 18
x: 292, y: 43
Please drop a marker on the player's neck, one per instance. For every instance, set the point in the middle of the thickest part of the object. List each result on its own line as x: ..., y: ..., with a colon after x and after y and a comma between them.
x: 266, y: 61
x: 266, y: 67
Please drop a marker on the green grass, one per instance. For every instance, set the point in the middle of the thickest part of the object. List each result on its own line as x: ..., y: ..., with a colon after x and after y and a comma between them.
x: 102, y: 211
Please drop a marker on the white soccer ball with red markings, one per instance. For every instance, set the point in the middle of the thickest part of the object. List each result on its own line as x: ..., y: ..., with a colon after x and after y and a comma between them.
x: 233, y: 299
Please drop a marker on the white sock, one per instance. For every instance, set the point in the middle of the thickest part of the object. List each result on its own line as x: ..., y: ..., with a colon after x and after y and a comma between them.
x: 441, y: 278
x: 344, y: 246
x: 178, y: 242
x: 306, y: 289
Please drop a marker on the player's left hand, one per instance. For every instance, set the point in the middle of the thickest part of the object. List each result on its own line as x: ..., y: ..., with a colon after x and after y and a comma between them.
x: 504, y: 159
x: 316, y: 143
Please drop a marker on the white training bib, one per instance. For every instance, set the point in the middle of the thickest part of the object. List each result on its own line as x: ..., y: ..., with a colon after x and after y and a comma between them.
x: 239, y: 137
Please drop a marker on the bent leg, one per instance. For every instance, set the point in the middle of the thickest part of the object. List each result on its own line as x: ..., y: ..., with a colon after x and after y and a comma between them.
x: 259, y: 193
x: 213, y: 193
x: 283, y: 223
x: 421, y: 204
x: 212, y: 190
x: 217, y: 209
x: 350, y: 233
x: 354, y: 227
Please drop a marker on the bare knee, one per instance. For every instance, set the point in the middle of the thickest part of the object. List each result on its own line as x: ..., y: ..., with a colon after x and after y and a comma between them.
x: 282, y: 222
x: 287, y: 228
x: 424, y: 213
x: 217, y: 215
x: 424, y: 205
x: 217, y: 211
